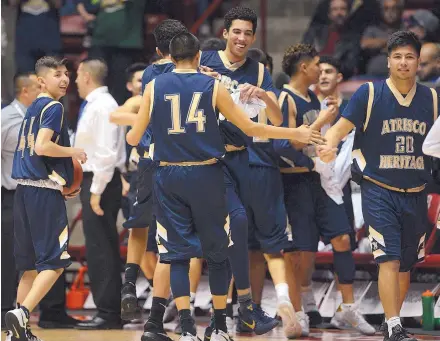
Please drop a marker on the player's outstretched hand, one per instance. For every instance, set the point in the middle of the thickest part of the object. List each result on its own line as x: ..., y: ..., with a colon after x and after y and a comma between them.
x: 249, y: 91
x: 95, y: 203
x: 326, y: 153
x: 208, y: 71
x: 80, y: 155
x: 305, y: 134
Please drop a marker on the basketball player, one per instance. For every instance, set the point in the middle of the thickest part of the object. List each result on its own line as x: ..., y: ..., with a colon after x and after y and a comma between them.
x: 311, y: 211
x: 393, y: 117
x: 42, y: 166
x: 139, y: 219
x: 251, y: 78
x: 188, y: 145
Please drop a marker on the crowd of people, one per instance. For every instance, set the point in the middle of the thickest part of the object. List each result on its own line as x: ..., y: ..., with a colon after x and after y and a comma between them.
x: 211, y: 139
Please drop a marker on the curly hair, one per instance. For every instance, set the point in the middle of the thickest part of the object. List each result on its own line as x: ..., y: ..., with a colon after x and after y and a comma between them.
x: 241, y: 13
x: 294, y: 55
x: 165, y: 31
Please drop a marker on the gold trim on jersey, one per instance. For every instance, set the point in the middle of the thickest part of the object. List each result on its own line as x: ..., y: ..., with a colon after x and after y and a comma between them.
x: 153, y: 82
x: 189, y: 163
x: 395, y: 189
x: 55, y: 177
x: 294, y: 170
x: 47, y: 107
x: 281, y: 99
x: 435, y: 103
x: 260, y: 74
x: 370, y: 104
x: 214, y: 94
x: 232, y: 148
x: 296, y: 92
x: 185, y: 71
x: 228, y: 64
x: 45, y: 94
x: 403, y: 101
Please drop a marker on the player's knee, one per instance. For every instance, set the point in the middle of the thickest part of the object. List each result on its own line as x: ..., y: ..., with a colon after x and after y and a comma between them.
x: 218, y: 277
x: 238, y: 220
x: 341, y: 243
x: 344, y: 267
x: 179, y: 278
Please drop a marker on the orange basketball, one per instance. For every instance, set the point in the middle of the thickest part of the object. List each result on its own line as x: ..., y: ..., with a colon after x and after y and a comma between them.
x: 77, y: 178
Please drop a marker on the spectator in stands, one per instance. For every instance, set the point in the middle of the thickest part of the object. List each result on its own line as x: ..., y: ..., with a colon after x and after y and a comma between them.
x: 118, y: 39
x: 37, y: 32
x: 213, y: 44
x: 424, y: 24
x: 335, y: 39
x: 88, y: 9
x: 374, y: 38
x: 429, y: 68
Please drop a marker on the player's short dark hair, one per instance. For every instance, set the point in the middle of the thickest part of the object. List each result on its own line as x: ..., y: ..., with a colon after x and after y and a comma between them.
x: 49, y: 62
x: 261, y: 57
x: 21, y: 79
x: 132, y: 69
x: 403, y: 38
x: 331, y: 61
x: 184, y: 46
x: 240, y: 13
x: 165, y: 31
x: 213, y: 44
x: 296, y: 54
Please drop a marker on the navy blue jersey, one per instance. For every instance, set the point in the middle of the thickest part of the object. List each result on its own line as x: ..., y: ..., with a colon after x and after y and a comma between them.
x: 150, y: 73
x: 307, y: 111
x: 232, y: 75
x: 184, y: 119
x: 392, y: 128
x: 44, y: 112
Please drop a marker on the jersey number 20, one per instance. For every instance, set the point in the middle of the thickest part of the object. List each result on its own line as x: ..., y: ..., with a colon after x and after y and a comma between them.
x: 195, y: 115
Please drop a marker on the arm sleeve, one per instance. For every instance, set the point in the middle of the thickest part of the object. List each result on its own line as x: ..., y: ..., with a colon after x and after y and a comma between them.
x: 106, y: 157
x: 356, y: 109
x: 52, y: 117
x: 431, y: 146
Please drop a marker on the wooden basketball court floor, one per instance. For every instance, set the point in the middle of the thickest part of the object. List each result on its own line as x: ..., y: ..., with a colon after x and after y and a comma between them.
x: 135, y: 335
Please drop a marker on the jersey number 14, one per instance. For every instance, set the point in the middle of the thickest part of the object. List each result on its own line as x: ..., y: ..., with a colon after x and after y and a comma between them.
x: 194, y: 115
x: 22, y: 145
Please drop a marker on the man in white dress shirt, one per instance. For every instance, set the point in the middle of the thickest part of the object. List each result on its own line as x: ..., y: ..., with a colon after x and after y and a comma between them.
x: 101, y: 191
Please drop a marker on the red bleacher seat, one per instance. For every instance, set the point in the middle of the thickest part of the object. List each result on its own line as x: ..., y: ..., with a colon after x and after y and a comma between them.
x: 349, y: 87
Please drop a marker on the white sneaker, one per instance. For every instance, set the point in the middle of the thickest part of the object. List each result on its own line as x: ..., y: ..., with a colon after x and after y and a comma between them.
x: 170, y: 312
x: 353, y: 318
x: 219, y: 335
x: 188, y: 337
x: 291, y: 327
x: 303, y: 320
x: 16, y: 323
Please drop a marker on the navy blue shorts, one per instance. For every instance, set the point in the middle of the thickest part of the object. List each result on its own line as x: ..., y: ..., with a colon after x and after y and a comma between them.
x: 190, y: 211
x: 312, y: 213
x: 397, y: 224
x: 40, y: 229
x: 151, y: 243
x: 236, y: 169
x: 141, y: 211
x: 266, y: 211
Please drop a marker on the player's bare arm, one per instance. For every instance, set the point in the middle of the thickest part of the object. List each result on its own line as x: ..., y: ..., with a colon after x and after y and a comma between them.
x: 45, y: 146
x: 328, y: 115
x: 125, y: 115
x: 237, y: 116
x: 334, y: 135
x: 273, y: 111
x: 142, y: 118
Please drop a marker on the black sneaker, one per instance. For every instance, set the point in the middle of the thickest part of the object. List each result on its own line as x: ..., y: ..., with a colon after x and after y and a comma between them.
x: 130, y: 309
x: 16, y: 323
x: 209, y: 329
x: 153, y: 332
x: 400, y: 334
x: 30, y: 336
x: 384, y: 330
x: 315, y: 318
